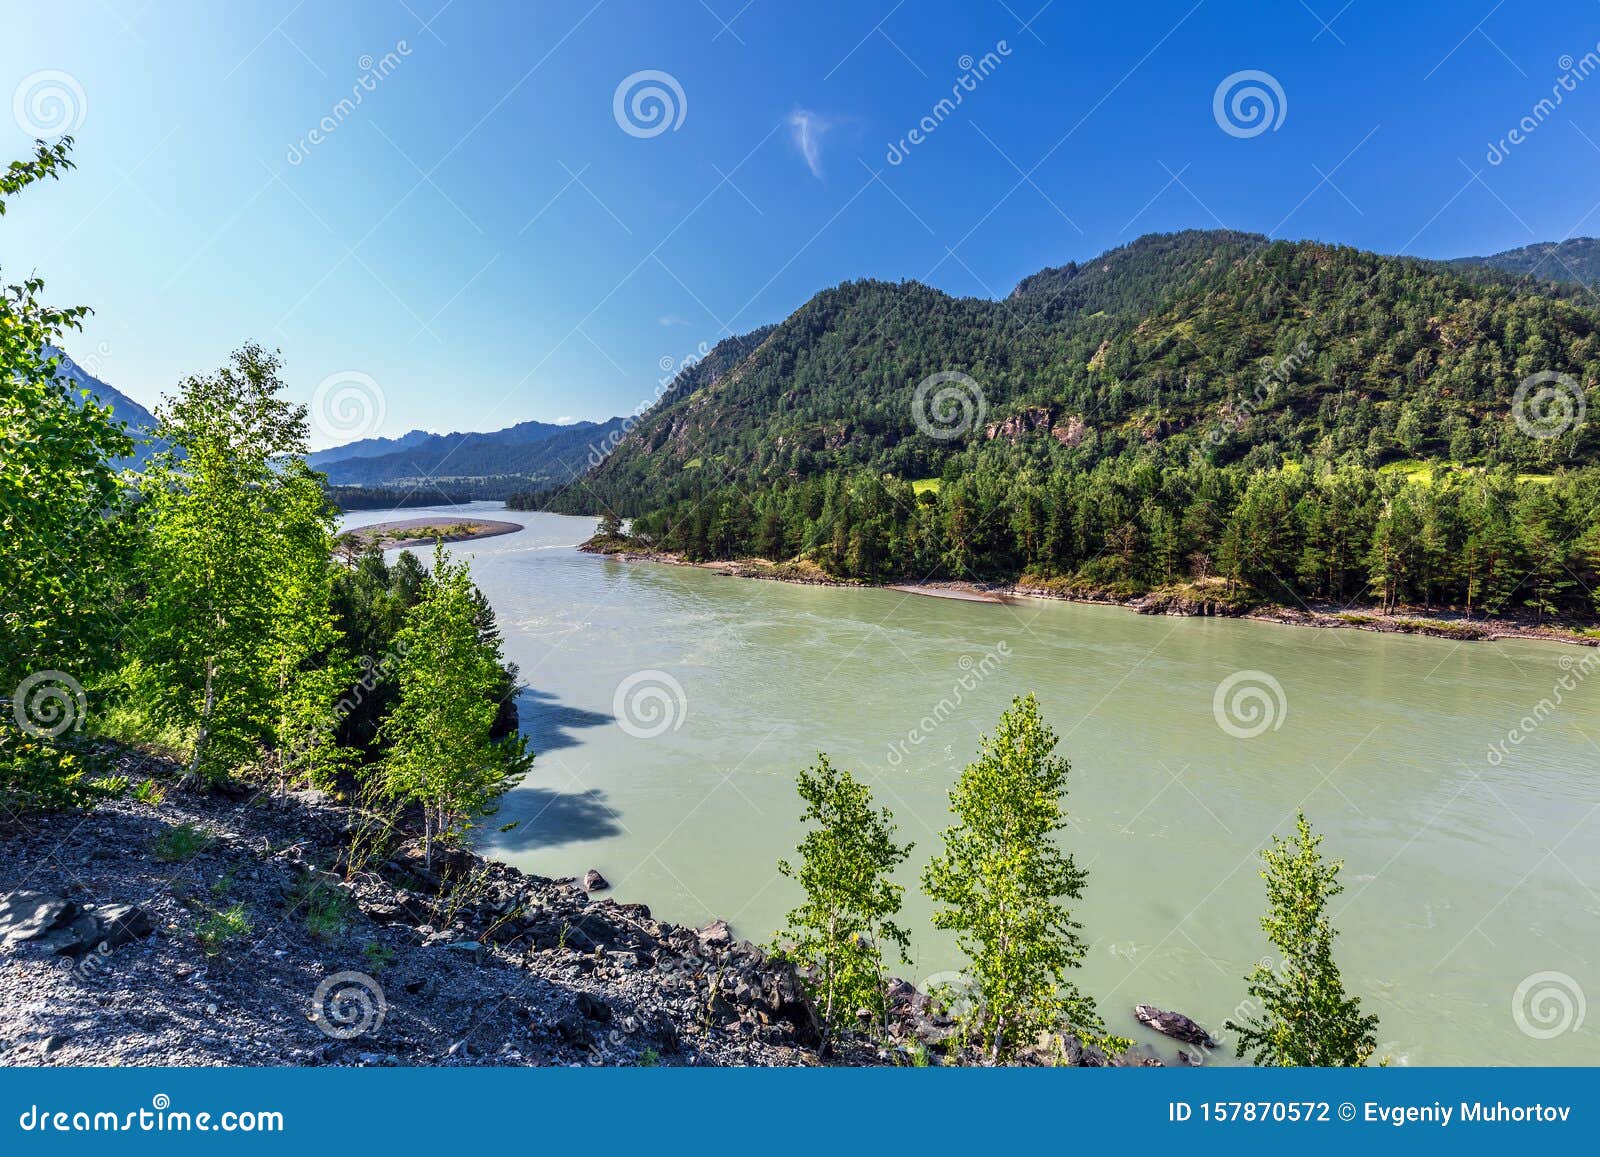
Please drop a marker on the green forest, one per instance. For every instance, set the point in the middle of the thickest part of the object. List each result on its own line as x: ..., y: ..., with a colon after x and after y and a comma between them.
x: 1298, y: 420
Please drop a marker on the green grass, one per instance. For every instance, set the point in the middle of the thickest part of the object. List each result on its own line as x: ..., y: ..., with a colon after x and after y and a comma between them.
x: 219, y: 929
x: 327, y: 911
x: 150, y: 793
x: 694, y: 463
x: 1425, y: 472
x: 926, y: 485
x: 179, y: 844
x: 1416, y: 470
x: 128, y: 726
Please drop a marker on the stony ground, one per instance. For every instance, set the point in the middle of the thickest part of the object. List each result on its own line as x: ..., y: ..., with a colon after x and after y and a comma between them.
x: 245, y: 914
x: 245, y: 927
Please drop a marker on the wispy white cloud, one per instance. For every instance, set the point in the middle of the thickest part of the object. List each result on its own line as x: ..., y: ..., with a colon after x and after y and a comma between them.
x: 806, y: 130
x: 671, y: 319
x: 564, y: 420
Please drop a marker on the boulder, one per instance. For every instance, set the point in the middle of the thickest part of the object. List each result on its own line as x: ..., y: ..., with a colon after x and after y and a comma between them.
x: 593, y: 1008
x: 121, y: 924
x: 28, y: 915
x: 67, y: 928
x: 715, y: 934
x: 1173, y: 1024
x: 593, y: 881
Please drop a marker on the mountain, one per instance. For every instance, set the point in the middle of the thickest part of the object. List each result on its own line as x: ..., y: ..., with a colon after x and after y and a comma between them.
x: 1199, y: 421
x: 486, y: 465
x: 368, y: 448
x: 1576, y: 260
x: 141, y: 422
x: 1215, y: 343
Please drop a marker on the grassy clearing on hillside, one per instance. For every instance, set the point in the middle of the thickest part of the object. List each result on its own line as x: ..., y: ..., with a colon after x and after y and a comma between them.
x: 926, y: 485
x: 1424, y: 472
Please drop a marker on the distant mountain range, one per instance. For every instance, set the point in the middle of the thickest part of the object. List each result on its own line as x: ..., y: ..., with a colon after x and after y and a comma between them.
x: 487, y: 465
x: 1575, y: 260
x: 460, y: 466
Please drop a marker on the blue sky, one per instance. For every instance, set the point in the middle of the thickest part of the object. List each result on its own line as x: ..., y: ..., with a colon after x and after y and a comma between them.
x: 484, y: 241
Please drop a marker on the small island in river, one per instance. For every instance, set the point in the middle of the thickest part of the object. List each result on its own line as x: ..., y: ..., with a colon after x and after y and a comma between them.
x: 425, y: 531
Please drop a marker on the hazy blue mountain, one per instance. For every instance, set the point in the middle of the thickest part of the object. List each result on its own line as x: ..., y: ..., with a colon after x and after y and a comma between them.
x: 530, y: 451
x: 368, y: 448
x: 141, y: 422
x: 1576, y: 260
x: 425, y: 446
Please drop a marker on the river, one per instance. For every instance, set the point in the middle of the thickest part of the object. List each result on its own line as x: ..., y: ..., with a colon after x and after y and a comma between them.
x: 1471, y: 918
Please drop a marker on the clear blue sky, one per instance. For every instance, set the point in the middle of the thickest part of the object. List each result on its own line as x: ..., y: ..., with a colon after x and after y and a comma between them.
x: 482, y: 238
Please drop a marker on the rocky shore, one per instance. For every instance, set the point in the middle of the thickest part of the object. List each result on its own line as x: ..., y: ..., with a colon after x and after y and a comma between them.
x: 1189, y: 601
x: 241, y: 927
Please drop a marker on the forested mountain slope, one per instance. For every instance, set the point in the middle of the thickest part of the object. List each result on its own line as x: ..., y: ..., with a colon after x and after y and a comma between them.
x: 1576, y: 259
x: 1219, y: 344
x: 1298, y: 419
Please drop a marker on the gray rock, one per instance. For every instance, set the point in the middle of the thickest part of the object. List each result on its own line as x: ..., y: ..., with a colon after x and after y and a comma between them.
x: 28, y: 915
x: 716, y: 934
x: 593, y: 881
x: 1173, y: 1024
